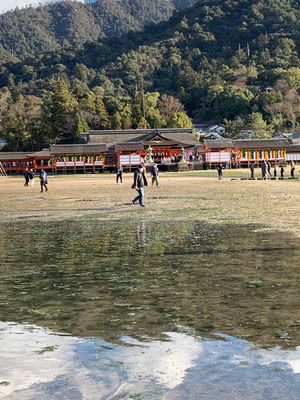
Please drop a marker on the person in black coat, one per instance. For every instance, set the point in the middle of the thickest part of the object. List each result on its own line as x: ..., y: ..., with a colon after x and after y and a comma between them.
x: 220, y: 173
x: 119, y: 173
x: 43, y: 180
x: 139, y: 183
x: 26, y: 176
x: 252, y: 166
x: 154, y: 174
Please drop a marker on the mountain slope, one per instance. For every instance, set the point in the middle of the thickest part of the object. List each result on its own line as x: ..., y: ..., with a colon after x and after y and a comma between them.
x: 51, y: 27
x: 216, y: 57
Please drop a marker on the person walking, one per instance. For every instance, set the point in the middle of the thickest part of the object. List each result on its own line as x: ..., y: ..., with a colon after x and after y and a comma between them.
x: 263, y: 170
x: 119, y: 174
x: 220, y: 173
x: 26, y: 176
x: 43, y: 180
x: 293, y: 170
x: 31, y: 177
x: 275, y: 170
x: 269, y: 175
x: 154, y: 174
x: 252, y: 165
x: 282, y: 171
x: 139, y: 183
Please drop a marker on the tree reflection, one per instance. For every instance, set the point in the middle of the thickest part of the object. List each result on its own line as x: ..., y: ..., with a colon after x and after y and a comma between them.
x: 95, y: 278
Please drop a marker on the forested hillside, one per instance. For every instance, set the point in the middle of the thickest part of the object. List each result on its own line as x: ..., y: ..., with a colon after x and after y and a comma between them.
x: 51, y: 27
x: 231, y: 61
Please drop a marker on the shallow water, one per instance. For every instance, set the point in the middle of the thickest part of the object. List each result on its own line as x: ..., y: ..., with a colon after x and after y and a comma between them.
x: 148, y: 310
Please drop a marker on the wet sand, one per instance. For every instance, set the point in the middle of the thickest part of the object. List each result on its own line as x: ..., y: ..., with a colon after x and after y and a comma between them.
x: 272, y: 204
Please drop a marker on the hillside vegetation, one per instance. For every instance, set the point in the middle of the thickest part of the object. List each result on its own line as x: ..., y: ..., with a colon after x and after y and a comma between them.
x: 233, y: 61
x: 31, y: 30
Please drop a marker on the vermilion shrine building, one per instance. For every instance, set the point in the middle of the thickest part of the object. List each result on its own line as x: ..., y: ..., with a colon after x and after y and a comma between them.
x: 103, y: 150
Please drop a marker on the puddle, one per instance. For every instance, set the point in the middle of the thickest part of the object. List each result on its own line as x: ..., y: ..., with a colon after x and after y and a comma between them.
x: 142, y: 305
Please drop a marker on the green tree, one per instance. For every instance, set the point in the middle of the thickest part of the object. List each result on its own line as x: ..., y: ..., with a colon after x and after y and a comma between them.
x: 82, y: 125
x: 21, y: 123
x: 292, y: 75
x: 59, y: 112
x: 116, y: 120
x: 143, y: 123
x: 233, y: 101
x: 100, y: 109
x: 235, y: 127
x: 180, y: 120
x: 256, y: 123
x: 138, y: 108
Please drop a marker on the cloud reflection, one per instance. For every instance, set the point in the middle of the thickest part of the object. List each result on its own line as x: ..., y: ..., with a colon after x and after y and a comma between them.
x: 38, y: 363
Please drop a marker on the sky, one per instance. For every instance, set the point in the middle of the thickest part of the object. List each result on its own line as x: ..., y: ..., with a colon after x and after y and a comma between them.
x: 6, y: 5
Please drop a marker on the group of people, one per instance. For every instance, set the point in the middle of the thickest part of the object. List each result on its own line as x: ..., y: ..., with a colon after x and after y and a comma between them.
x: 29, y: 176
x: 140, y: 180
x: 266, y: 170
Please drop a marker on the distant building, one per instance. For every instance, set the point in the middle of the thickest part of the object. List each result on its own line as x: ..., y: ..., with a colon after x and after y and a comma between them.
x: 217, y: 129
x: 211, y: 136
x: 292, y: 136
x: 210, y: 132
x: 2, y: 144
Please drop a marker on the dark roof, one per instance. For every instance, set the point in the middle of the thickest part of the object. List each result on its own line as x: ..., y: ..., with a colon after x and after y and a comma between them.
x: 290, y: 135
x: 182, y: 136
x: 109, y: 139
x: 129, y: 146
x: 77, y: 148
x: 45, y: 153
x: 261, y: 143
x: 294, y: 147
x: 138, y: 131
x: 218, y: 144
x: 14, y: 156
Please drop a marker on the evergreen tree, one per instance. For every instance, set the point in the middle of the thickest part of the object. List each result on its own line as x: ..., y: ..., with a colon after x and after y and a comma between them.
x: 100, y: 109
x: 59, y: 110
x: 256, y: 123
x: 143, y: 123
x: 180, y: 120
x: 116, y: 121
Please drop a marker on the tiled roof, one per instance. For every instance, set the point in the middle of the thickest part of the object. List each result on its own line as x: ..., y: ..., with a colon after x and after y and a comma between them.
x: 180, y: 135
x: 114, y: 138
x: 78, y: 149
x: 14, y: 156
x: 293, y: 147
x: 218, y: 144
x: 129, y: 146
x: 182, y: 138
x: 261, y: 143
x: 41, y: 154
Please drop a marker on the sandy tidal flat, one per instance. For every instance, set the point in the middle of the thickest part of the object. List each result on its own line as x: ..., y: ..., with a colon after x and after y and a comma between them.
x: 272, y: 204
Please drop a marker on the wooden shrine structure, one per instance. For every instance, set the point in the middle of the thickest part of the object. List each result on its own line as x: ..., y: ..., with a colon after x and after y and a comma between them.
x: 133, y: 146
x: 103, y: 150
x: 258, y: 150
x: 16, y: 162
x: 78, y: 157
x: 241, y: 153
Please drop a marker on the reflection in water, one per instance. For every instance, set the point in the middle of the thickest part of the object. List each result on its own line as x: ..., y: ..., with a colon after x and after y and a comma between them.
x: 40, y: 365
x: 129, y: 283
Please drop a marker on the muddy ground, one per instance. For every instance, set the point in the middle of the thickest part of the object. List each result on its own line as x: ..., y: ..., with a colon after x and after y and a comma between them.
x: 272, y: 204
